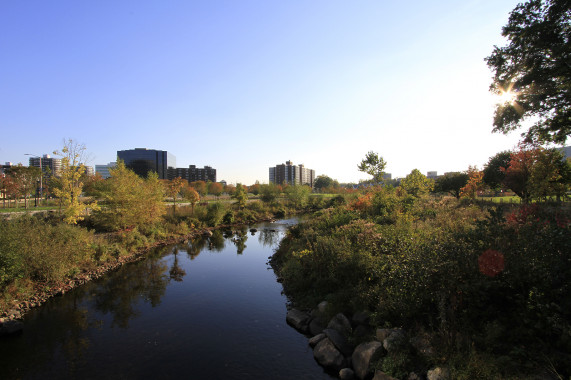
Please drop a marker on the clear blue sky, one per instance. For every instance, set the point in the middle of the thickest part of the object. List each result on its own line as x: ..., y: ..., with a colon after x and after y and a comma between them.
x: 244, y: 85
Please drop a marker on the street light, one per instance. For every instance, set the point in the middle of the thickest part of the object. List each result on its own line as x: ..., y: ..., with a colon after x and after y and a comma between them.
x: 41, y: 173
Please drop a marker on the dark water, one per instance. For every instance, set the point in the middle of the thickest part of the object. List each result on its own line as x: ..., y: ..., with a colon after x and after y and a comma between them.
x: 209, y: 309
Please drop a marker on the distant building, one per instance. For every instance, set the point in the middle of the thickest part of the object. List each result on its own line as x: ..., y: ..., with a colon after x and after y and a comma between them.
x: 193, y: 174
x: 143, y: 160
x: 89, y: 170
x: 387, y: 176
x: 4, y: 169
x: 50, y: 166
x: 291, y: 174
x: 103, y: 170
x: 432, y: 175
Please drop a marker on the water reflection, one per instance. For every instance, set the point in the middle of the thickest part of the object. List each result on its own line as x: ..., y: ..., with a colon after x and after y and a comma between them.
x: 70, y: 335
x: 176, y: 272
x: 240, y: 238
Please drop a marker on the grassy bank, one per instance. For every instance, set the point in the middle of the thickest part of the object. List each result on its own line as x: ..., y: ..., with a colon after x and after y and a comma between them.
x: 489, y: 284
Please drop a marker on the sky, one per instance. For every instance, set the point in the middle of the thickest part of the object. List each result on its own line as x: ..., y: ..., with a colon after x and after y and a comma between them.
x: 242, y: 85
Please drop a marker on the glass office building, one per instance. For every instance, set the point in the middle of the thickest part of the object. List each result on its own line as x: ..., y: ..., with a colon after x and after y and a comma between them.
x: 143, y: 160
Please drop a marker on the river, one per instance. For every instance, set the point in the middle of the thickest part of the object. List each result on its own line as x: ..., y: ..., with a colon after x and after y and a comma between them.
x: 207, y: 309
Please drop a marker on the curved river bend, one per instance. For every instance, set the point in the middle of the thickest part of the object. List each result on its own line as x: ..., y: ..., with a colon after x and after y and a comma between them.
x: 209, y: 309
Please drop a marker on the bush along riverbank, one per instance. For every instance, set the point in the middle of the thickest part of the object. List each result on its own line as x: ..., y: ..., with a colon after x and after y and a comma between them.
x: 41, y: 256
x: 483, y: 289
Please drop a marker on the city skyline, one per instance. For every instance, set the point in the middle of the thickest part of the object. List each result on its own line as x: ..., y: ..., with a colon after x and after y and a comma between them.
x: 240, y: 86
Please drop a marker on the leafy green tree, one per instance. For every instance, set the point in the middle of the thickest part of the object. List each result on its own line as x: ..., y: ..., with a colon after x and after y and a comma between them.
x: 72, y: 169
x: 550, y: 174
x: 269, y: 192
x: 451, y: 183
x: 298, y: 195
x: 417, y: 184
x: 374, y: 165
x: 129, y: 200
x: 240, y: 195
x: 324, y: 182
x: 534, y: 71
x: 493, y: 174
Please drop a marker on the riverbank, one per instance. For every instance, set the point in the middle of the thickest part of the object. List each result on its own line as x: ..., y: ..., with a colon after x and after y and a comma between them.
x: 488, y: 286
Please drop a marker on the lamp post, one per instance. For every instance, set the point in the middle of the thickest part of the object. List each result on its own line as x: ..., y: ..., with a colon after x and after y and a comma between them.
x: 41, y: 173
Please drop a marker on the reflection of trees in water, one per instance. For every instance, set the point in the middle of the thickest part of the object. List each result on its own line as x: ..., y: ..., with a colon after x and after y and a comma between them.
x: 55, y: 328
x: 216, y: 241
x: 268, y: 237
x: 240, y: 239
x: 145, y: 280
x: 195, y: 246
x: 176, y: 272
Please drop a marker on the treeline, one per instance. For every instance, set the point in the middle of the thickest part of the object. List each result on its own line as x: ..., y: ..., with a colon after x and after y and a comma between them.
x: 489, y: 285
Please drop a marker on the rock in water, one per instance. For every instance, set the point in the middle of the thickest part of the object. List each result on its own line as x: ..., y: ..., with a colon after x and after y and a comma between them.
x: 328, y: 356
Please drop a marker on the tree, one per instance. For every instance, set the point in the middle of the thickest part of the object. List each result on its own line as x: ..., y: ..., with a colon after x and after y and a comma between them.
x: 451, y: 183
x: 200, y: 187
x: 173, y: 188
x: 215, y: 188
x: 373, y: 165
x: 229, y: 189
x: 241, y: 196
x: 130, y: 200
x: 324, y: 182
x: 72, y: 168
x: 298, y: 195
x: 190, y: 195
x: 534, y: 71
x: 255, y: 188
x: 550, y: 174
x: 24, y: 181
x: 493, y: 174
x: 417, y: 184
x: 475, y: 183
x: 269, y: 192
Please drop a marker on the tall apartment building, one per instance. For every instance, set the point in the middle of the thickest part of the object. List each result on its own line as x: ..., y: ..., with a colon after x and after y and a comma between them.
x: 292, y: 174
x: 192, y: 173
x: 143, y: 160
x: 47, y: 163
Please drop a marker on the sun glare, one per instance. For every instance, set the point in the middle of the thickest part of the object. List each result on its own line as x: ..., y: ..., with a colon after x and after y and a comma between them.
x: 507, y: 97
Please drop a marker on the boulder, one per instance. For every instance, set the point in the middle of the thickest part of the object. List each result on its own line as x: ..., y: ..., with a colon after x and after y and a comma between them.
x: 380, y: 375
x: 362, y: 331
x: 316, y: 339
x: 328, y: 356
x: 364, y: 354
x: 438, y: 373
x: 396, y: 341
x: 322, y: 307
x: 11, y: 327
x: 341, y: 324
x: 298, y: 319
x: 339, y: 341
x: 315, y: 327
x: 413, y: 376
x: 346, y: 374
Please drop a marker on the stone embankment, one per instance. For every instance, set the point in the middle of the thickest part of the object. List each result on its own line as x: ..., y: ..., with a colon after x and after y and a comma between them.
x: 334, y: 348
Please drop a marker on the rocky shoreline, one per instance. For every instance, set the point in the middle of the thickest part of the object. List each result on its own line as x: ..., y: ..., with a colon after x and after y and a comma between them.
x: 350, y: 347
